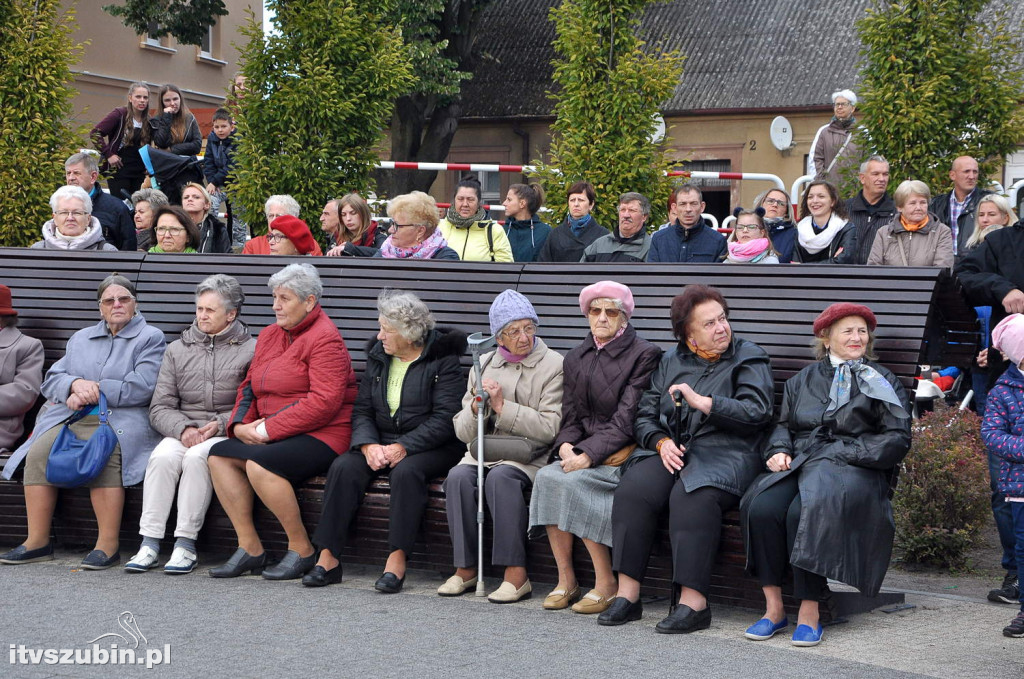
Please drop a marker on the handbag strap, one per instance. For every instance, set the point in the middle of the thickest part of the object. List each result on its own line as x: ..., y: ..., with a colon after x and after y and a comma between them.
x: 81, y: 412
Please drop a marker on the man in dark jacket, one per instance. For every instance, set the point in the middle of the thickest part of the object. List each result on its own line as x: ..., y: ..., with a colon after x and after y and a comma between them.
x: 630, y: 242
x: 872, y: 207
x: 956, y: 208
x: 82, y: 170
x: 689, y: 239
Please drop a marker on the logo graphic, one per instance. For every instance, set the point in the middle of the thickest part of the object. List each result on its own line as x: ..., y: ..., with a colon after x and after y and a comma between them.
x: 129, y: 653
x: 125, y: 621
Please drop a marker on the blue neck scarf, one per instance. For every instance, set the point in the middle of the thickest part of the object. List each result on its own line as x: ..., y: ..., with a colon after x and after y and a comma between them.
x: 869, y: 381
x: 577, y: 225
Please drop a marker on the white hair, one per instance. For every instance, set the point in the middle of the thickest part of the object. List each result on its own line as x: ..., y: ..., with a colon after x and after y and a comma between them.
x: 76, y: 192
x: 848, y: 95
x: 290, y: 205
x: 302, y: 279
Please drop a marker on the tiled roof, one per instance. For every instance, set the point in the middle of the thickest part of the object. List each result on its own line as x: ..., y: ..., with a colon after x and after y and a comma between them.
x: 741, y: 54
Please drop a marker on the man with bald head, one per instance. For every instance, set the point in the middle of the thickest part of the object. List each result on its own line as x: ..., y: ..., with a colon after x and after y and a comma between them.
x: 957, y: 207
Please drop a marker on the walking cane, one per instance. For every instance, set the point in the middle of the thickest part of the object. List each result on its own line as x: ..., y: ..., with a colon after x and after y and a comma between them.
x: 479, y: 343
x: 677, y: 397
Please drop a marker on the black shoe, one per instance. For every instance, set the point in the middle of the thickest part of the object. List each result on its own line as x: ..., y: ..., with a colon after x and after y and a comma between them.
x: 1016, y: 627
x: 621, y: 611
x: 97, y: 560
x: 240, y: 563
x: 320, y: 577
x: 1008, y: 593
x: 20, y: 555
x: 684, y: 620
x: 291, y: 567
x: 389, y: 583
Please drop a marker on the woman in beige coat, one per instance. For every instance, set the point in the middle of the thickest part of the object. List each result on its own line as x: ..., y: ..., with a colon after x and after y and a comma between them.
x: 523, y: 381
x: 194, y: 396
x: 913, y: 237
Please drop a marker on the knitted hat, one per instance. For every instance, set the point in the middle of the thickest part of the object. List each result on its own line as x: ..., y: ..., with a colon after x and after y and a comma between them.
x: 5, y: 302
x: 841, y: 310
x: 609, y: 290
x: 1008, y: 337
x: 297, y: 232
x: 510, y: 306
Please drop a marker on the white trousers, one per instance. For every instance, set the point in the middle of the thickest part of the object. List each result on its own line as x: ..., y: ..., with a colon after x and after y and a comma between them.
x: 169, y: 462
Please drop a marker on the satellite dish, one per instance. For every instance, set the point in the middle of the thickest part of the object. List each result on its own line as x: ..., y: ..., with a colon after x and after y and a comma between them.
x: 781, y: 133
x: 658, y: 135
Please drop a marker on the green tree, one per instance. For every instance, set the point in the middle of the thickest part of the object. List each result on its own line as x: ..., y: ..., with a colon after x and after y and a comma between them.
x: 35, y: 106
x: 186, y: 20
x: 609, y: 85
x: 319, y: 94
x: 941, y: 79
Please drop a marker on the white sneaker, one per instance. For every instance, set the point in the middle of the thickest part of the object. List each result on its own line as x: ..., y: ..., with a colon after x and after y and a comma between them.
x: 143, y: 561
x: 182, y: 561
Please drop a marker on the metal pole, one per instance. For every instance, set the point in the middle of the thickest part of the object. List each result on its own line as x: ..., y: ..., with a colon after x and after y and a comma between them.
x: 479, y: 342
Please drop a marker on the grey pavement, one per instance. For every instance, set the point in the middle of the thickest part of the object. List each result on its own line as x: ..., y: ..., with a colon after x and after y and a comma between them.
x: 251, y: 627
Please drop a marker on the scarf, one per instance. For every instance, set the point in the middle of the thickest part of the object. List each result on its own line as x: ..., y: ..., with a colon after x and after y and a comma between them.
x: 601, y: 345
x: 463, y: 222
x: 816, y: 242
x: 869, y: 381
x: 577, y: 225
x: 425, y: 250
x: 516, y: 358
x: 753, y: 251
x: 845, y: 123
x: 912, y: 226
x: 708, y: 356
x: 156, y: 249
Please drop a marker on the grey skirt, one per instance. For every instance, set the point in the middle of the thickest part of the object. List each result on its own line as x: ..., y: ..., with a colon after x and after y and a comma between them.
x: 579, y: 502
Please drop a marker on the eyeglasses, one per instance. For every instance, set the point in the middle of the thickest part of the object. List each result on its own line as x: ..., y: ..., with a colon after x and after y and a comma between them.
x: 528, y: 330
x: 594, y: 312
x: 396, y: 226
x: 746, y: 227
x: 109, y: 301
x: 842, y: 104
x: 77, y: 214
x: 170, y: 230
x: 775, y: 201
x: 272, y: 216
x: 276, y: 237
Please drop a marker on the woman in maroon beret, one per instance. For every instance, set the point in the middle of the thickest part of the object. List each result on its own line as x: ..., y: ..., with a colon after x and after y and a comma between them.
x: 823, y: 505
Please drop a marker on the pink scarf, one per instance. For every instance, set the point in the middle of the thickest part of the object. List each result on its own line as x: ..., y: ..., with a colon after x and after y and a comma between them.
x: 516, y: 358
x: 749, y: 251
x: 601, y: 345
x: 424, y: 250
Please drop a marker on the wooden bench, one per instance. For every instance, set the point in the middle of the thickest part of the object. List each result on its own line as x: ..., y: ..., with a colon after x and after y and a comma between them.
x: 922, y: 319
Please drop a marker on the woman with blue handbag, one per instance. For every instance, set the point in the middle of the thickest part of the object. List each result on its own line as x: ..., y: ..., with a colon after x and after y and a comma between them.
x: 115, y: 361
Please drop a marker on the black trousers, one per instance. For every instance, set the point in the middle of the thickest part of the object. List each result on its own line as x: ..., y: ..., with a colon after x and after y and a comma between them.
x: 773, y: 518
x: 695, y: 523
x: 350, y: 476
x: 504, y: 492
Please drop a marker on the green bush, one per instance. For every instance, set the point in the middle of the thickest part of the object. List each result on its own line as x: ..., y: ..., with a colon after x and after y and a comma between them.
x: 942, y: 500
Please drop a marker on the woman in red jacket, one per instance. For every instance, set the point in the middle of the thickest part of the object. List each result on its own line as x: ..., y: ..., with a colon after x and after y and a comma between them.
x: 292, y: 417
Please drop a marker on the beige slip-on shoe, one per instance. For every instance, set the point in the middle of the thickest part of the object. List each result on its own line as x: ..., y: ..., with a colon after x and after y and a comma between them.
x: 454, y: 586
x: 592, y: 602
x: 561, y: 598
x: 508, y: 594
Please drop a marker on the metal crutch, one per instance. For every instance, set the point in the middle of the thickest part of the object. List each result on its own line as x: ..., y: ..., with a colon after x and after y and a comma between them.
x: 478, y: 344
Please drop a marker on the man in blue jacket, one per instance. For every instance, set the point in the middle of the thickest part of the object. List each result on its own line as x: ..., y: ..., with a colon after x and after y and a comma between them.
x: 689, y: 239
x: 82, y: 170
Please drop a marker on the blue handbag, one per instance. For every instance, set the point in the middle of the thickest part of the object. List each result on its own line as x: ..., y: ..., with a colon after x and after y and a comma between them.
x: 74, y: 462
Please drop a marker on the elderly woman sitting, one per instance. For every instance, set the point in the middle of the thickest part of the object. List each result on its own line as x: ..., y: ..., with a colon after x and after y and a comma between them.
x: 173, y: 232
x: 523, y: 381
x: 749, y: 242
x: 21, y: 372
x: 119, y: 357
x: 401, y: 427
x: 276, y: 206
x: 290, y: 236
x: 292, y: 418
x: 913, y: 238
x: 604, y: 378
x: 696, y: 457
x: 413, y: 232
x: 146, y: 202
x: 73, y: 227
x: 213, y: 234
x: 842, y: 428
x: 194, y: 396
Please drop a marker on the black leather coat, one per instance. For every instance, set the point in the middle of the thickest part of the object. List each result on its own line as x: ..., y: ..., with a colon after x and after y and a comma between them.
x: 846, y: 528
x: 724, y: 450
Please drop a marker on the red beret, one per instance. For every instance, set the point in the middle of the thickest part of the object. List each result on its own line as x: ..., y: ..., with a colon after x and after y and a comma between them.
x: 841, y: 310
x: 297, y: 232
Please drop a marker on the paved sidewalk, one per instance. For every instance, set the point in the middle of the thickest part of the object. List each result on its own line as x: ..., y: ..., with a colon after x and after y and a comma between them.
x: 251, y: 627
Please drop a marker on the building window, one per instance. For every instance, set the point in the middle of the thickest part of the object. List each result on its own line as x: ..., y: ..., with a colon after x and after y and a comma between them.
x: 708, y: 166
x: 206, y: 44
x: 490, y: 187
x: 153, y: 42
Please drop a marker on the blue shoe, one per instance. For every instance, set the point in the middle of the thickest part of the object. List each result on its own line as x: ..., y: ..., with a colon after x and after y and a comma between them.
x: 765, y: 629
x: 97, y: 560
x: 804, y: 635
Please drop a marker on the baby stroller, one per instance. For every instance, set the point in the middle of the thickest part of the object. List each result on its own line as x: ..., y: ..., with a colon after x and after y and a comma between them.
x: 169, y: 172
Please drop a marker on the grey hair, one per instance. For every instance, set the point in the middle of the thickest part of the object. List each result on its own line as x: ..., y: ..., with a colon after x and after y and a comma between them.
x: 115, y: 279
x: 290, y: 205
x: 848, y: 95
x: 76, y: 192
x: 873, y: 159
x: 87, y: 159
x: 407, y: 313
x: 227, y: 288
x: 614, y: 300
x: 155, y: 197
x: 688, y: 187
x: 302, y: 279
x: 908, y: 188
x: 633, y: 196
